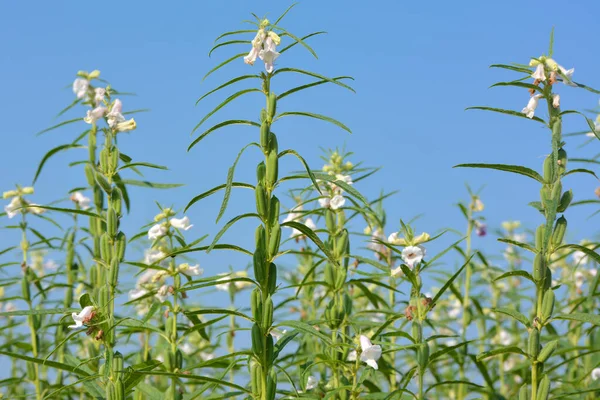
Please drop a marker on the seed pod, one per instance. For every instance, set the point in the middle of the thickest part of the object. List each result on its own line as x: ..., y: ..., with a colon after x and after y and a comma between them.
x: 562, y: 161
x: 105, y: 247
x: 92, y: 147
x: 547, y: 351
x: 114, y: 159
x: 330, y: 275
x: 539, y: 267
x: 90, y: 175
x: 264, y: 135
x: 423, y: 356
x: 341, y: 275
x: 267, y: 317
x: 263, y: 115
x: 559, y: 231
x: 70, y: 251
x: 103, y: 294
x: 565, y: 201
x: 273, y: 146
x: 257, y: 341
x: 272, y: 283
x: 533, y: 344
x: 121, y: 244
x: 178, y: 359
x: 103, y: 183
x: 330, y: 220
x: 545, y: 196
x: 557, y: 192
x: 93, y: 222
x: 31, y: 371
x: 272, y: 168
x: 539, y: 237
x: 117, y: 363
x: 523, y: 393
x: 260, y: 269
x: 274, y: 211
x: 543, y: 388
x: 548, y: 169
x: 261, y: 200
x: 256, y: 379
x: 256, y: 304
x: 115, y: 200
x: 98, y: 196
x: 112, y: 222
x: 271, y: 385
x: 269, y: 357
x: 548, y: 305
x: 341, y: 244
x: 114, y: 272
x: 259, y: 237
x: 104, y: 163
x: 261, y: 171
x: 120, y: 390
x: 548, y: 279
x: 271, y: 106
x: 274, y: 240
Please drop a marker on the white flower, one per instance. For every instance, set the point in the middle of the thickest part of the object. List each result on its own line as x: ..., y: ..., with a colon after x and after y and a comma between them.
x: 311, y: 383
x: 310, y: 224
x: 99, y: 95
x: 504, y: 338
x: 50, y: 265
x: 10, y: 307
x: 161, y: 293
x: 579, y: 257
x: 95, y: 114
x: 579, y: 279
x: 451, y: 342
x: 529, y: 110
x: 278, y: 334
x: 396, y: 271
x: 337, y: 201
x: 187, y: 348
x: 370, y: 353
x: 555, y: 100
x: 269, y: 54
x: 539, y: 73
x: 80, y: 87
x: 238, y: 284
x: 294, y: 214
x: 351, y: 356
x: 11, y: 208
x: 567, y: 75
x: 182, y: 223
x: 115, y: 115
x: 135, y: 294
x: 81, y: 200
x: 256, y: 46
x: 82, y: 318
x: 157, y: 231
x: 324, y: 202
x: 412, y: 255
x: 520, y: 237
x: 392, y: 238
x: 596, y: 374
x: 344, y: 178
x: 151, y: 257
x: 508, y: 364
x: 191, y: 269
x: 31, y: 207
x: 455, y: 309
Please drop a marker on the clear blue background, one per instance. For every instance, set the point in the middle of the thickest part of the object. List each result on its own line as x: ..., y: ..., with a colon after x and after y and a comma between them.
x: 417, y: 66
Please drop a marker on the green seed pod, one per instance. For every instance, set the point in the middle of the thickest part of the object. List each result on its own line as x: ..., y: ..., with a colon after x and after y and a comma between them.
x: 114, y: 159
x: 274, y: 240
x: 31, y: 371
x: 112, y: 222
x: 523, y: 393
x: 565, y: 201
x: 330, y: 220
x: 178, y: 359
x: 539, y: 237
x: 93, y: 274
x: 543, y: 388
x: 273, y: 146
x: 272, y: 283
x: 271, y: 106
x: 539, y: 268
x: 121, y: 244
x: 264, y: 135
x: 70, y: 251
x: 114, y: 272
x: 115, y: 201
x: 104, y: 163
x: 103, y: 183
x: 260, y: 269
x: 545, y: 196
x: 548, y: 169
x: 90, y: 175
x: 271, y: 385
x: 93, y: 223
x: 98, y: 196
x: 562, y: 161
x: 330, y: 275
x: 267, y: 317
x: 263, y: 115
x: 557, y: 192
x: 347, y: 304
x: 274, y: 211
x: 257, y: 341
x: 548, y: 279
x: 423, y: 356
x: 117, y: 363
x: 341, y: 276
x: 341, y: 244
x: 533, y: 344
x: 559, y: 231
x: 261, y: 200
x: 269, y: 355
x: 547, y: 351
x: 25, y: 289
x: 103, y: 294
x: 260, y: 237
x: 272, y: 168
x: 256, y: 304
x: 261, y: 171
x: 256, y: 379
x: 120, y: 390
x: 105, y: 247
x: 548, y: 305
x: 92, y: 146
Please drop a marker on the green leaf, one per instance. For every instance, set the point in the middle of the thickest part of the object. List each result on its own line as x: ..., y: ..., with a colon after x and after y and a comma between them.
x: 517, y: 169
x: 222, y: 311
x: 590, y: 123
x: 223, y: 64
x: 448, y: 283
x: 551, y: 47
x: 229, y: 182
x: 512, y: 68
x: 151, y: 185
x: 227, y: 226
x: 306, y: 231
x: 47, y: 363
x: 305, y: 164
x: 523, y: 274
x: 197, y: 378
x: 593, y: 319
x: 221, y: 125
x: 67, y: 210
x: 581, y: 171
x: 508, y: 112
x: 232, y: 81
x: 514, y: 314
x: 457, y: 382
x: 313, y: 115
x: 314, y: 75
x: 49, y: 311
x: 52, y: 152
x: 235, y: 33
x: 309, y: 85
x: 59, y: 125
x: 306, y: 328
x: 520, y: 85
x: 501, y: 350
x: 281, y: 17
x: 588, y: 252
x: 297, y: 39
x: 228, y: 43
x: 142, y: 164
x: 519, y: 244
x: 215, y: 190
x: 224, y: 103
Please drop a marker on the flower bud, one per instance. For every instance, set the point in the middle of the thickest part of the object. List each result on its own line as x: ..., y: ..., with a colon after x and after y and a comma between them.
x: 274, y: 240
x: 126, y: 126
x: 94, y: 74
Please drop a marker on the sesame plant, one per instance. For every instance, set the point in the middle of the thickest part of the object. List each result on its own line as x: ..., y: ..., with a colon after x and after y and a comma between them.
x: 333, y: 300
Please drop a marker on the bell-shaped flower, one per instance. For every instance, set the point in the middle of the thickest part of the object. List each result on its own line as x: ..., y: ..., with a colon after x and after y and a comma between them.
x: 325, y: 201
x: 567, y: 75
x: 95, y: 114
x: 99, y: 94
x: 311, y: 383
x: 191, y: 269
x: 337, y: 201
x: 83, y: 317
x: 162, y: 293
x: 555, y: 100
x: 11, y: 208
x: 539, y: 74
x: 595, y: 374
x: 294, y: 214
x: 157, y: 231
x: 115, y: 115
x: 269, y: 54
x: 256, y: 47
x: 126, y: 126
x: 370, y: 353
x: 412, y: 255
x: 529, y: 110
x: 82, y: 201
x: 80, y: 87
x: 181, y: 223
x: 136, y: 293
x: 51, y: 265
x: 151, y: 256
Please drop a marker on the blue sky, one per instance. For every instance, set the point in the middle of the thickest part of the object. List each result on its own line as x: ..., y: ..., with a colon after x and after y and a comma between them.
x: 416, y: 65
